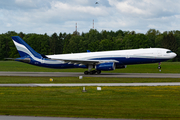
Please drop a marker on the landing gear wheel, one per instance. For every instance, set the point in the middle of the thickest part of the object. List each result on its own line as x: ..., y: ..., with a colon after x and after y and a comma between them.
x: 86, y: 72
x: 98, y: 72
x: 94, y: 71
x: 91, y: 72
x: 159, y: 67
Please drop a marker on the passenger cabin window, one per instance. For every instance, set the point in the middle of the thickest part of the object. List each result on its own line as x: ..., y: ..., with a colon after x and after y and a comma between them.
x: 169, y: 52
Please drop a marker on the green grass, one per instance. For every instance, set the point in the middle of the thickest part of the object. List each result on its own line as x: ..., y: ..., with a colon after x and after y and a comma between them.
x: 167, y: 67
x: 160, y: 102
x: 17, y: 80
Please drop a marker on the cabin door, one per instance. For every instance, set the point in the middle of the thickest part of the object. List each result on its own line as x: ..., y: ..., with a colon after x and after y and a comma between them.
x: 127, y: 55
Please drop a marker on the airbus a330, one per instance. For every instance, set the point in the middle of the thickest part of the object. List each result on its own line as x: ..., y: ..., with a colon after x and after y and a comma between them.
x: 99, y: 61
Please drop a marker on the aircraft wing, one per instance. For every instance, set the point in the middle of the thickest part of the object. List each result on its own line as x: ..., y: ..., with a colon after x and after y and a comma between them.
x: 84, y: 62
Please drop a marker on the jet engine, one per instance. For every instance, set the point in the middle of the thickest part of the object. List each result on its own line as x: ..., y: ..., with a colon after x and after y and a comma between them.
x: 105, y: 66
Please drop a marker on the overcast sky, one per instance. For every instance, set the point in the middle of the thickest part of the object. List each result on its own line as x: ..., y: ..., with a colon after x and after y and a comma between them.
x: 49, y: 16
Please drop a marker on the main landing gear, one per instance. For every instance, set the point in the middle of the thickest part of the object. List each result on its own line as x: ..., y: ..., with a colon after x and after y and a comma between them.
x: 92, y: 72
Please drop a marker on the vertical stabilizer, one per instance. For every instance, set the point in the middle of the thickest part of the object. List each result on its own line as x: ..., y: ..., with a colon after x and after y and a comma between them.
x: 24, y: 49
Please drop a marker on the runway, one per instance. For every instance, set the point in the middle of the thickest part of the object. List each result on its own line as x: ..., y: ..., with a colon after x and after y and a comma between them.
x: 51, y: 118
x: 91, y: 84
x: 76, y: 74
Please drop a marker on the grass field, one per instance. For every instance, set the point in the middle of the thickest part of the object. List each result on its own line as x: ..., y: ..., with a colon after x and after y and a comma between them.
x: 111, y: 102
x: 167, y: 67
x: 161, y: 102
x: 17, y: 80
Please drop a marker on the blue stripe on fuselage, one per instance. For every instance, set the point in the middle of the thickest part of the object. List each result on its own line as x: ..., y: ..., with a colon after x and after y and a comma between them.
x: 49, y: 65
x: 130, y: 61
x: 122, y: 61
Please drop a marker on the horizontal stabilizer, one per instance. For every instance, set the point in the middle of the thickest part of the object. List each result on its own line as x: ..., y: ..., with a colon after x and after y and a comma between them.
x: 9, y: 58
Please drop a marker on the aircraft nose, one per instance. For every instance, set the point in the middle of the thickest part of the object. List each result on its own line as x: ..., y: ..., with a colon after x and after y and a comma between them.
x: 174, y: 55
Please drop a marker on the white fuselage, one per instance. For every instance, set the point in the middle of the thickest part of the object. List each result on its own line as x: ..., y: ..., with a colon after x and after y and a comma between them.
x: 146, y: 53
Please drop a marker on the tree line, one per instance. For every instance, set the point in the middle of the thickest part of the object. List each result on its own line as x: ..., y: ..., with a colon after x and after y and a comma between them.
x: 93, y: 40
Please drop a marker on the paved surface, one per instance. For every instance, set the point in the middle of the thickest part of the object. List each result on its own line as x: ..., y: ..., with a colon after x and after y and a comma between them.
x: 92, y: 84
x: 75, y: 74
x: 49, y: 118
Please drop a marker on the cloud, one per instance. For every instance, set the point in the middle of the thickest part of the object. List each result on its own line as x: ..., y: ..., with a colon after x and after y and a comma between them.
x: 145, y: 8
x: 127, y: 7
x: 26, y: 3
x: 49, y: 16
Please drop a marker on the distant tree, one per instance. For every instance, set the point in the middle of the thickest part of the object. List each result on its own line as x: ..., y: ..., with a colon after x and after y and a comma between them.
x: 169, y: 41
x: 104, y: 34
x: 21, y: 34
x: 44, y: 44
x: 60, y: 43
x: 128, y: 39
x: 74, y: 44
x: 105, y: 45
x: 177, y: 37
x: 93, y: 40
x: 152, y: 34
x: 134, y: 41
x: 76, y: 33
x: 119, y: 33
x: 53, y: 43
x: 158, y: 41
x: 11, y: 33
x: 66, y: 43
x: 3, y: 47
x: 119, y: 42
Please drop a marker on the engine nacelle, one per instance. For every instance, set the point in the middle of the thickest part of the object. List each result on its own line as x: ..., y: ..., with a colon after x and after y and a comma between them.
x: 105, y: 66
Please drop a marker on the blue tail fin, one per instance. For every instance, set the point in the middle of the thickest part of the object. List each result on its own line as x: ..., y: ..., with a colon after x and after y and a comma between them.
x: 24, y: 49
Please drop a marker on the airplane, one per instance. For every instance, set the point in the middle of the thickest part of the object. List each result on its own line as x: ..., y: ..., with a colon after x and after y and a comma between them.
x: 100, y: 61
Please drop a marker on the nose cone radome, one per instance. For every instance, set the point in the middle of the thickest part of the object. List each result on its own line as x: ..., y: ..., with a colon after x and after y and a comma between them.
x: 174, y: 55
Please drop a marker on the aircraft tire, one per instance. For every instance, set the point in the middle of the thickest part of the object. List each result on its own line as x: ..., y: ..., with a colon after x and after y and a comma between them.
x: 98, y: 72
x: 94, y: 71
x: 91, y: 72
x: 86, y: 72
x: 159, y: 67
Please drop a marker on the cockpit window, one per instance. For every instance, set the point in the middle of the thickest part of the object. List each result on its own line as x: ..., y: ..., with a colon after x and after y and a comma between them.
x: 169, y: 52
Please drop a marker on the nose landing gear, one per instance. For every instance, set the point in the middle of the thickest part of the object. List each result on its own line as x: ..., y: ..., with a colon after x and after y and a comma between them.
x: 159, y: 67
